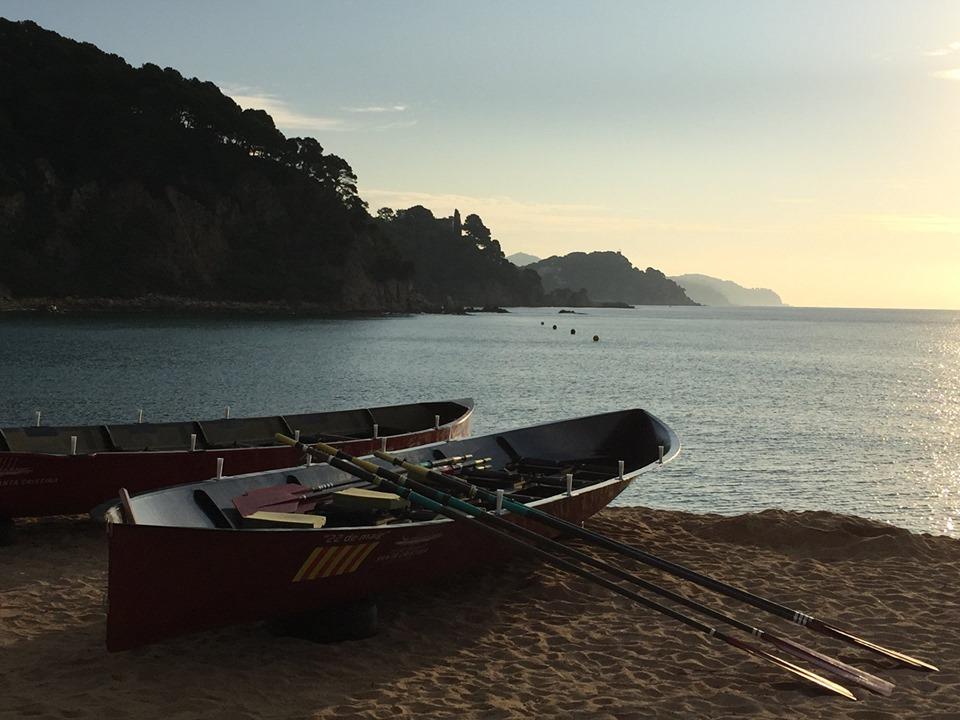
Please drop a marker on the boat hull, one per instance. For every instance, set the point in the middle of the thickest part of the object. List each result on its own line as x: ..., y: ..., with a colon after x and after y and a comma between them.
x: 38, y: 484
x: 176, y: 567
x: 196, y: 578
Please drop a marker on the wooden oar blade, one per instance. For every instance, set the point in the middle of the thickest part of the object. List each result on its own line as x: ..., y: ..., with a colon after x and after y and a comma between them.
x: 275, y: 498
x: 832, y: 665
x: 807, y: 675
x: 893, y: 654
x: 811, y: 676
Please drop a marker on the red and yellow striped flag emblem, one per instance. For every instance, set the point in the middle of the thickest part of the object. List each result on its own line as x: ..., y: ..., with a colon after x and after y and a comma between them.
x: 329, y: 560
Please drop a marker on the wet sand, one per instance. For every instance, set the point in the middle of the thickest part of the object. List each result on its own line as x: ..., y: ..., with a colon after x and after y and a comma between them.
x: 519, y: 641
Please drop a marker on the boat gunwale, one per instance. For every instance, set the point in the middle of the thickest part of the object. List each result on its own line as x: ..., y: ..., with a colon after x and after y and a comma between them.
x: 467, y: 403
x: 675, y: 446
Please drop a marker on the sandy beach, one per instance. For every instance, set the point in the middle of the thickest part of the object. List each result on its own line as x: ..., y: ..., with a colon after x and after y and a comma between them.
x: 513, y: 642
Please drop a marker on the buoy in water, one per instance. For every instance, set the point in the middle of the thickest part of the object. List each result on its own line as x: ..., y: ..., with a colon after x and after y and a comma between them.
x: 572, y: 331
x: 596, y: 338
x: 541, y: 322
x: 554, y: 327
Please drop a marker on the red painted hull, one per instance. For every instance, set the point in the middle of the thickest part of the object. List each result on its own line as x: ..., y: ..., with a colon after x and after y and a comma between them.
x: 35, y: 484
x: 167, y: 581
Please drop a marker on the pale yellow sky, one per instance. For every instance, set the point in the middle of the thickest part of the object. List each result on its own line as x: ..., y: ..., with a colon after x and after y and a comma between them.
x: 809, y: 255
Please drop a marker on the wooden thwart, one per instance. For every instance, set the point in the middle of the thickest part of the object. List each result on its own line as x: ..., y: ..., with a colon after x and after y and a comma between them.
x: 360, y: 499
x: 264, y: 518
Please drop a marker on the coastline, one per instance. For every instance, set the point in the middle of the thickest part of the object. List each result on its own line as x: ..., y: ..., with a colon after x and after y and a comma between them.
x: 147, y: 304
x: 508, y: 642
x: 166, y: 304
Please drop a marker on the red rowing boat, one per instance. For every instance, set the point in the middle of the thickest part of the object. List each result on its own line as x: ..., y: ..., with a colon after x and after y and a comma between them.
x: 59, y: 470
x: 187, y: 558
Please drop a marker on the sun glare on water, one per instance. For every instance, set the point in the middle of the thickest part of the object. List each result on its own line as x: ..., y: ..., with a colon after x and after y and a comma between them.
x: 941, y: 466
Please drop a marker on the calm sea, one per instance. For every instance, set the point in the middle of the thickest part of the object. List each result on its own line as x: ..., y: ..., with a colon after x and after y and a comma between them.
x: 856, y: 411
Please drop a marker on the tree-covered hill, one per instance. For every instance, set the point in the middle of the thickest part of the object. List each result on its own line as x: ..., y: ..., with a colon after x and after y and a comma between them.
x: 609, y: 277
x: 123, y: 182
x: 457, y: 263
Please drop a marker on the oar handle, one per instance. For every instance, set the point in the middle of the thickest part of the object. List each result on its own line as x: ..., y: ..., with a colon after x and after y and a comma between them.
x: 400, y: 462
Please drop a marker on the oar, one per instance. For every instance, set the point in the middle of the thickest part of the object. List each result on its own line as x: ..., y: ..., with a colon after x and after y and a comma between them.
x: 475, y: 464
x: 290, y: 496
x: 448, y: 505
x: 825, y: 662
x: 439, y: 462
x: 718, y: 586
x: 283, y: 498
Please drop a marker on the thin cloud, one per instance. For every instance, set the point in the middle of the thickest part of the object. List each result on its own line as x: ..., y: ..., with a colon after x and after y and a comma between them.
x: 794, y: 200
x: 283, y: 114
x: 496, y: 205
x: 507, y: 216
x: 948, y: 49
x: 377, y: 109
x: 953, y: 74
x: 287, y: 118
x: 930, y: 223
x: 392, y: 125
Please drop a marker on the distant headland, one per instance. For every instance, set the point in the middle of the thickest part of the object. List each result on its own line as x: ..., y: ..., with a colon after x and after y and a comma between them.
x: 707, y: 290
x: 522, y: 259
x: 701, y: 289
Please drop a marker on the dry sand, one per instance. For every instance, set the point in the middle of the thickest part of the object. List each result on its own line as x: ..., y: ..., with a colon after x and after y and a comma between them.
x: 520, y: 641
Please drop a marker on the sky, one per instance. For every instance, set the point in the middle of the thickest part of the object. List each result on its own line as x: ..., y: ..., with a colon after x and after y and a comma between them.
x: 809, y: 147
